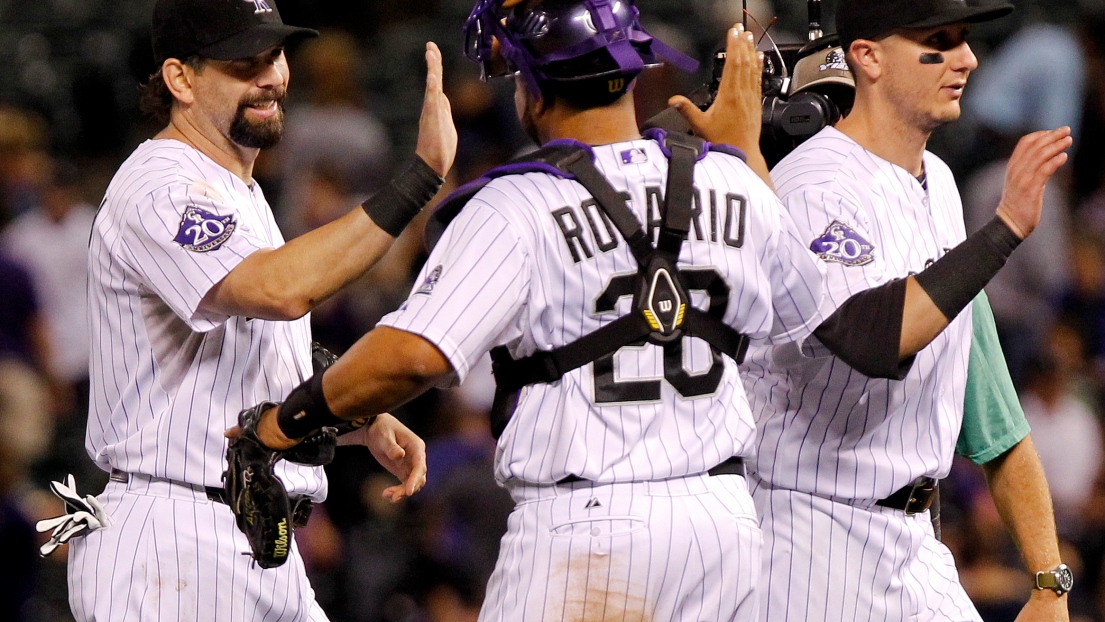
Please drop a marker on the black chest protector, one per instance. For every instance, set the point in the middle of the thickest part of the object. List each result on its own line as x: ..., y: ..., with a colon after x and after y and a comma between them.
x: 661, y: 312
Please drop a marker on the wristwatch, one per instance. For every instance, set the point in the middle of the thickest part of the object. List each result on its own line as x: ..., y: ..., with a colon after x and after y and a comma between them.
x: 1061, y: 580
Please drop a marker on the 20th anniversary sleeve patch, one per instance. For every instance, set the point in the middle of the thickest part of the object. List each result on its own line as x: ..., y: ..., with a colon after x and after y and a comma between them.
x: 842, y: 244
x: 201, y: 231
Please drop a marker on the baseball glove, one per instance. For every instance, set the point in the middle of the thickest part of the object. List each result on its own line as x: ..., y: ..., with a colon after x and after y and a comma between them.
x: 256, y: 496
x: 321, y: 358
x: 258, y: 499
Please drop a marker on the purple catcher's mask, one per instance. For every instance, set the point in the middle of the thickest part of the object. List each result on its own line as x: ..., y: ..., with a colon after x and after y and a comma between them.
x: 535, y: 35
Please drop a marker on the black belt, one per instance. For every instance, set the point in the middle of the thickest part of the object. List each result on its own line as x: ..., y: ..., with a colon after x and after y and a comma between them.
x: 301, y: 505
x: 913, y: 498
x: 213, y: 493
x: 732, y: 466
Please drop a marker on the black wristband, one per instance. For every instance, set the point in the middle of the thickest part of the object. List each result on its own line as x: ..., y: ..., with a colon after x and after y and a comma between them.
x: 394, y: 206
x: 955, y: 279
x: 305, y: 410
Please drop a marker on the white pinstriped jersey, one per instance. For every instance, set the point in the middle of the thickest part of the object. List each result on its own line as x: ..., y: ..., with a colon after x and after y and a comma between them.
x: 525, y: 265
x: 167, y: 378
x: 824, y: 428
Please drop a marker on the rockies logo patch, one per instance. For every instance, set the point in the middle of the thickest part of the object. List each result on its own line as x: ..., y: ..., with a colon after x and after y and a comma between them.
x: 428, y: 285
x: 202, y: 231
x: 844, y: 245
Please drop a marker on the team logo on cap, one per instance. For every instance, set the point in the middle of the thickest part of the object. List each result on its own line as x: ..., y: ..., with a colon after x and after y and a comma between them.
x: 260, y: 6
x: 834, y: 60
x: 844, y: 245
x: 201, y: 231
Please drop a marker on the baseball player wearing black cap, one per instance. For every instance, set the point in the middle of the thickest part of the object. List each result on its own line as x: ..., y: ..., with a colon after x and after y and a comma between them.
x: 848, y: 455
x: 199, y: 309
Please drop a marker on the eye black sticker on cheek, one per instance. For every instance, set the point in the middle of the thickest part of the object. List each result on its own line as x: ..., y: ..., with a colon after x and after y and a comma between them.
x: 932, y: 58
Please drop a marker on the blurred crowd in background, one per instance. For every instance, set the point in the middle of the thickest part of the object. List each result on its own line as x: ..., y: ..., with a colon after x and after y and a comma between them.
x: 69, y: 75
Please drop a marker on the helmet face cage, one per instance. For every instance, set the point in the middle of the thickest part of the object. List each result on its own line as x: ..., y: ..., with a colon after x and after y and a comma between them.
x: 480, y: 30
x: 534, y: 34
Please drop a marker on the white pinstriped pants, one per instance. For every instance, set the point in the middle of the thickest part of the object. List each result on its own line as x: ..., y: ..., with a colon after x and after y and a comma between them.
x: 685, y: 549
x: 827, y: 560
x: 172, y: 554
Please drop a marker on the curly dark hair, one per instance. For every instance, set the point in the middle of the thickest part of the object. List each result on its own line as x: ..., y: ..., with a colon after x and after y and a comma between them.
x: 154, y: 98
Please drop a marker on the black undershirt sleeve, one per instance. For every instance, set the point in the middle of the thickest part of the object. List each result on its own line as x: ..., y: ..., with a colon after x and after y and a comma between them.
x: 866, y: 331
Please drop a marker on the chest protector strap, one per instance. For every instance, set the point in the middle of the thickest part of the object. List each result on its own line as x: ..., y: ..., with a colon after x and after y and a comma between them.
x: 661, y: 312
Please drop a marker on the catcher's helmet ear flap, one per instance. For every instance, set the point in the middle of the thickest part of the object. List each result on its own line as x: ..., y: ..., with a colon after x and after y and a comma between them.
x: 563, y: 40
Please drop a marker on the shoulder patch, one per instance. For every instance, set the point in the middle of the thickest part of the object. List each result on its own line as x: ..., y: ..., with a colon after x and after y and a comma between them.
x: 201, y: 231
x: 428, y: 285
x: 844, y: 245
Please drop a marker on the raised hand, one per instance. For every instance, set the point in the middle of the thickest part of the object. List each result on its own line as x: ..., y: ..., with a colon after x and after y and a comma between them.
x: 735, y: 116
x: 437, y: 136
x: 1035, y: 159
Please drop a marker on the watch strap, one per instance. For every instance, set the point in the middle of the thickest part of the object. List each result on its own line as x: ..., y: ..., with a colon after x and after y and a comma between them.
x: 1059, y: 579
x: 1045, y: 580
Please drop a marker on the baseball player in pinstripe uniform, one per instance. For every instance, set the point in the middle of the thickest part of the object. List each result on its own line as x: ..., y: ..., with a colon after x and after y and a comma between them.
x: 624, y: 457
x: 200, y: 309
x: 848, y: 450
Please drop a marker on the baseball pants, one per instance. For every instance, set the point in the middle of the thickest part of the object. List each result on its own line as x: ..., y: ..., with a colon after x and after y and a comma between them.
x: 684, y: 549
x: 170, y: 553
x: 828, y: 560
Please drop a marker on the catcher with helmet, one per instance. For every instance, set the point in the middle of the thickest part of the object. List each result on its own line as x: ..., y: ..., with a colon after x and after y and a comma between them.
x: 615, y: 312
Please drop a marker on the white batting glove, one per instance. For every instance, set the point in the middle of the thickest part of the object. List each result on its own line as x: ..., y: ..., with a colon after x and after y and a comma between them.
x: 83, y: 515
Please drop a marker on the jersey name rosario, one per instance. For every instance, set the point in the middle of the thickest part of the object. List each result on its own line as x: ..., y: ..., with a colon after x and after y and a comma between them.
x: 723, y: 220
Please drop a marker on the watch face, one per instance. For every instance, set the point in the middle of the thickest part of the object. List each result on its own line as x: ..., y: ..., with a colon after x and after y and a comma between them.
x: 1065, y: 578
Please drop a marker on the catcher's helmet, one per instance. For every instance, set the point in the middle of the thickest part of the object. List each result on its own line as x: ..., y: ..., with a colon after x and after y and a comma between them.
x: 563, y: 40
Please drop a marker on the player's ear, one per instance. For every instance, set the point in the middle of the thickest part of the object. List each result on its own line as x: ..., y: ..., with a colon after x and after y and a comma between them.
x: 179, y: 79
x: 526, y: 102
x: 865, y: 58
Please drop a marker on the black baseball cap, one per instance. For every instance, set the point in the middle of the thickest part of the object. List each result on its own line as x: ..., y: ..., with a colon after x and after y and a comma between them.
x: 219, y: 29
x: 872, y: 19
